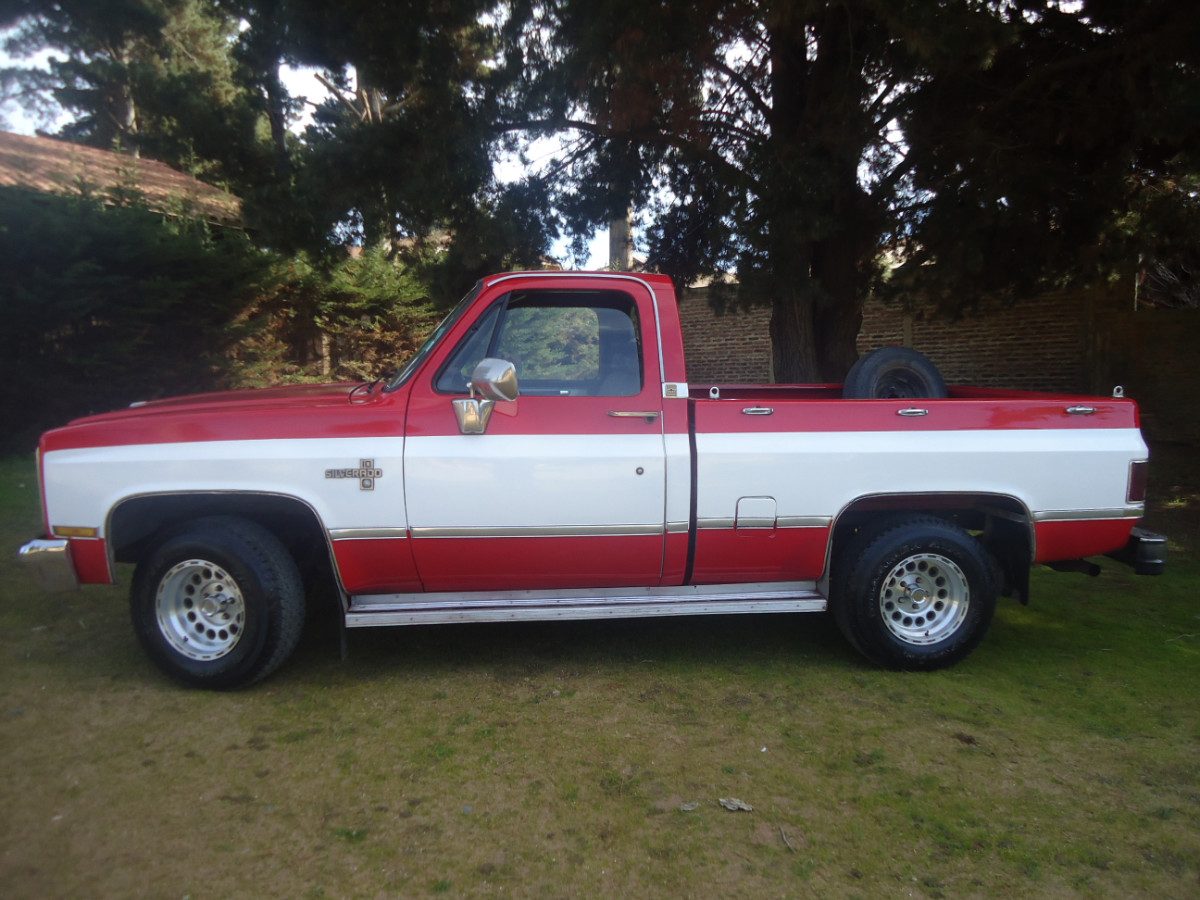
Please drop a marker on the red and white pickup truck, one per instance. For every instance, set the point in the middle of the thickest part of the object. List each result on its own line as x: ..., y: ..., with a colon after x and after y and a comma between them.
x: 543, y: 456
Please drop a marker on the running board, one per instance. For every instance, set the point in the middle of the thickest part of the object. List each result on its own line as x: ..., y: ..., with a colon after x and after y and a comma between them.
x: 368, y: 610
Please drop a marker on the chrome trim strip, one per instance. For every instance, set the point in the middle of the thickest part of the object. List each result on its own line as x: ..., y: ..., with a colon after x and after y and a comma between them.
x: 778, y: 522
x: 1076, y: 515
x: 442, y: 616
x: 662, y: 366
x: 677, y: 528
x: 759, y: 590
x: 535, y: 531
x: 353, y: 534
x: 804, y: 521
x: 756, y: 523
x: 50, y: 561
x: 689, y: 600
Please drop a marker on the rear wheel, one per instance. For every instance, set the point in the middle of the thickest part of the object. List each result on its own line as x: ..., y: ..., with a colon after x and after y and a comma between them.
x: 917, y: 594
x: 218, y: 604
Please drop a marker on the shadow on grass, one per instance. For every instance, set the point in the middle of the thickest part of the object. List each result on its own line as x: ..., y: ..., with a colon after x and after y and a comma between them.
x: 516, y: 650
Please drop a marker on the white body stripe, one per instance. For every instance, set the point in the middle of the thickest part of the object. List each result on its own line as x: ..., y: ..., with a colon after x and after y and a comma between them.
x: 820, y: 473
x: 564, y: 480
x: 535, y: 480
x: 83, y: 485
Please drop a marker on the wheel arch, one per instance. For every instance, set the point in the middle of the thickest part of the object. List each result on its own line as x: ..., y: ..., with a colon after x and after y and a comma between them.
x: 136, y: 523
x: 1005, y: 521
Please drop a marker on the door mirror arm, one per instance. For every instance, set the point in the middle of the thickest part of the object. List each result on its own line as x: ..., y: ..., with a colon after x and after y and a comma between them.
x: 493, y: 379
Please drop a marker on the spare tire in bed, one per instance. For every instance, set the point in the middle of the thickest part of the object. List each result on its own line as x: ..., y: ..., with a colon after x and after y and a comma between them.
x: 893, y: 372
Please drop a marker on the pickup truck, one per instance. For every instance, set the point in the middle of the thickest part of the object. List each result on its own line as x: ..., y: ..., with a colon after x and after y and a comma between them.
x: 544, y: 456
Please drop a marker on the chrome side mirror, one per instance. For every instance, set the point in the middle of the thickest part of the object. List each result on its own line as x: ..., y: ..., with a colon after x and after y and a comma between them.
x: 493, y: 379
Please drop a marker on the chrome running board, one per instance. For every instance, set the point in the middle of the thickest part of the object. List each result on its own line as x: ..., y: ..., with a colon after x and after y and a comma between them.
x: 368, y: 610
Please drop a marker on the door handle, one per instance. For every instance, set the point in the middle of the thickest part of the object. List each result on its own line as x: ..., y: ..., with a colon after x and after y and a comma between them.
x: 911, y: 411
x: 1081, y: 410
x: 649, y: 415
x: 758, y: 411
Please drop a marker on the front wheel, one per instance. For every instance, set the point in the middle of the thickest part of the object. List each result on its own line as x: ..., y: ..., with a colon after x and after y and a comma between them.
x: 218, y: 604
x: 918, y: 594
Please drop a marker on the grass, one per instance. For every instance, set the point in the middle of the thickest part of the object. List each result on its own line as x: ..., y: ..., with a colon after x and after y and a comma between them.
x: 553, y: 759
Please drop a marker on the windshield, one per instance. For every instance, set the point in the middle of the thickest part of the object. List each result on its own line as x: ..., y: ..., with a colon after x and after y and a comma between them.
x: 431, y: 341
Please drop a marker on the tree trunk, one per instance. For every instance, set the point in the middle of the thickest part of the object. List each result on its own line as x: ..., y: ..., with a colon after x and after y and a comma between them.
x: 278, y: 122
x: 821, y: 214
x: 124, y: 110
x: 792, y: 337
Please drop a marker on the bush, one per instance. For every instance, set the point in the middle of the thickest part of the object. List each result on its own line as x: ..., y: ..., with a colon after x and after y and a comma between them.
x: 104, y: 305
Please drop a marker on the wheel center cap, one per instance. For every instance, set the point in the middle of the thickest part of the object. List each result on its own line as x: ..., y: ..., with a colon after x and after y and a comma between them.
x: 209, y: 606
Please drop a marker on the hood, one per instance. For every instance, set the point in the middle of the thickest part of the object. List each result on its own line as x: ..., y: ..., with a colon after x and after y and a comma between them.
x: 295, y: 396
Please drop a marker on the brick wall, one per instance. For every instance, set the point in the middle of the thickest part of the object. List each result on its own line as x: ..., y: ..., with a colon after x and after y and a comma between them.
x: 734, y: 348
x: 1038, y: 345
x: 1074, y: 342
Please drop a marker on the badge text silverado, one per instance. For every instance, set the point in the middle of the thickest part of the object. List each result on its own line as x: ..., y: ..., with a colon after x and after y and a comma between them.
x: 543, y: 456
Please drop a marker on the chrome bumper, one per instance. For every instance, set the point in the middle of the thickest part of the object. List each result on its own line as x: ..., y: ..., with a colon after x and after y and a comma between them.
x: 51, y: 563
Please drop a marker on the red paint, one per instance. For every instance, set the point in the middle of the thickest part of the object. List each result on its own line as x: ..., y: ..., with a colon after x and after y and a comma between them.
x: 952, y: 414
x: 1080, y: 538
x: 240, y: 416
x: 376, y: 566
x: 728, y: 556
x: 90, y: 558
x: 538, y: 563
x: 674, y: 559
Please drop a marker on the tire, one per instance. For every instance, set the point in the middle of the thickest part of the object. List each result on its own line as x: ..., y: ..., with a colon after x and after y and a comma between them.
x: 893, y: 372
x: 918, y: 593
x: 218, y: 604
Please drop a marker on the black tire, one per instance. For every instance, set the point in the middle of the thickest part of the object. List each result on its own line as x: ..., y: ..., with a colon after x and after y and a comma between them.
x: 893, y: 372
x: 218, y: 604
x: 911, y: 568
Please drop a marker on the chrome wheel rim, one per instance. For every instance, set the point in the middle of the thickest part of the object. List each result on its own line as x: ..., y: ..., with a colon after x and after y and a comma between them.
x: 924, y: 598
x: 200, y: 609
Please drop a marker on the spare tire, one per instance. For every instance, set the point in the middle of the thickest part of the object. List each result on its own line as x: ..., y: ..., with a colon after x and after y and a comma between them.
x: 893, y: 372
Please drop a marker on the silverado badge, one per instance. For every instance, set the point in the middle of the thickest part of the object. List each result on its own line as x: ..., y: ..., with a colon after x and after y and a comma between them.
x: 366, y: 473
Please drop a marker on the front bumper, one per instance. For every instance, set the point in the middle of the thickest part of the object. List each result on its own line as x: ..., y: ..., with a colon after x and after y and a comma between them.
x: 50, y: 561
x: 1146, y: 552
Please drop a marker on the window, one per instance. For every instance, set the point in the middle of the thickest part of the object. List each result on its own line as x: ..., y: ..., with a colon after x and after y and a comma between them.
x: 563, y: 343
x: 456, y: 374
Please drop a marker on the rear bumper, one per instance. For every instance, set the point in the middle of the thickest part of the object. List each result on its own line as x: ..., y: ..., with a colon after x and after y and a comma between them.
x: 50, y: 561
x: 1146, y: 552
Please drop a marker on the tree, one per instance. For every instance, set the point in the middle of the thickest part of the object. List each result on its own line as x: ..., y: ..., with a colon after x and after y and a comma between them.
x: 404, y: 151
x: 793, y: 142
x: 158, y: 77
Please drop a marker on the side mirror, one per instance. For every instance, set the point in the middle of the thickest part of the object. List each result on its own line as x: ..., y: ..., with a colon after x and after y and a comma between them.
x: 493, y: 379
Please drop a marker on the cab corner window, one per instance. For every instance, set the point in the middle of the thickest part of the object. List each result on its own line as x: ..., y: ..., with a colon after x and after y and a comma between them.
x: 563, y: 343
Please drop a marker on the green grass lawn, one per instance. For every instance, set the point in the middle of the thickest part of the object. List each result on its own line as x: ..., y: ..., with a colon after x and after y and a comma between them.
x: 552, y: 759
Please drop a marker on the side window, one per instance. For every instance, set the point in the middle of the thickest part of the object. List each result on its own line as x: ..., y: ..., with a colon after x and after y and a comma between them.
x: 457, y: 371
x: 563, y: 343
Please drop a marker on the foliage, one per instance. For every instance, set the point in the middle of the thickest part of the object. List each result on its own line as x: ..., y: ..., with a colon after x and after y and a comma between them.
x: 981, y: 148
x: 104, y: 305
x: 357, y: 317
x: 107, y: 304
x: 157, y: 77
x: 994, y: 147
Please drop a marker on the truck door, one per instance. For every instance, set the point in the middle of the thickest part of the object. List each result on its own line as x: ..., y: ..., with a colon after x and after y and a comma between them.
x: 566, y: 488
